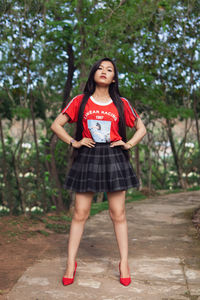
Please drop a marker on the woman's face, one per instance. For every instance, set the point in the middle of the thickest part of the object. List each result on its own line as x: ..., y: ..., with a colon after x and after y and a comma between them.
x: 104, y: 75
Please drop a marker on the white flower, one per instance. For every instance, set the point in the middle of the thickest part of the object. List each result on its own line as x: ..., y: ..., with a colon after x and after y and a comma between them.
x: 4, y: 208
x: 33, y: 208
x: 26, y: 145
x: 191, y: 145
x: 191, y: 174
x: 26, y: 174
x: 172, y: 172
x: 29, y: 174
x: 37, y: 208
x: 27, y: 209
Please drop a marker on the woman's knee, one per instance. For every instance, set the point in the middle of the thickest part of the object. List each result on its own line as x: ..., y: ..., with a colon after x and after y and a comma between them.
x: 118, y: 216
x: 81, y: 215
x: 82, y: 206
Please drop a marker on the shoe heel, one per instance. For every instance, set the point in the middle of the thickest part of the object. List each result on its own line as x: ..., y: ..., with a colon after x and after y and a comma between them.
x: 68, y: 281
x: 124, y: 281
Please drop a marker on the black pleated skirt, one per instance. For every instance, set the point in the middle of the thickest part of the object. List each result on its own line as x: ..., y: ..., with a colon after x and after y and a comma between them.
x: 101, y: 169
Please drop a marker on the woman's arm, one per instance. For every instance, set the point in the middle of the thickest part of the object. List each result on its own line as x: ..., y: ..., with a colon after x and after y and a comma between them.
x: 139, y: 134
x: 57, y: 127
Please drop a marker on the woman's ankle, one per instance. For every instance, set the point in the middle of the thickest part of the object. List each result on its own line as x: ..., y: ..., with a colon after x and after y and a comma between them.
x: 124, y: 261
x: 71, y: 262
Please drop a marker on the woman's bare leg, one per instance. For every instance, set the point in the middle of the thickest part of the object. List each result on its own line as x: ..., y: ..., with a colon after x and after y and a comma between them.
x: 118, y: 216
x: 81, y: 213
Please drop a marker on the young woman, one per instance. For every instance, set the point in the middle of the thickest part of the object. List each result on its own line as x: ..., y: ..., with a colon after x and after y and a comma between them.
x: 101, y: 162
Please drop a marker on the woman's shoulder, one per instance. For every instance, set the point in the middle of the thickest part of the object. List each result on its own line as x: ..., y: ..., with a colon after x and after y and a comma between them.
x: 127, y: 103
x: 125, y: 100
x: 78, y: 97
x: 74, y: 102
x: 129, y: 107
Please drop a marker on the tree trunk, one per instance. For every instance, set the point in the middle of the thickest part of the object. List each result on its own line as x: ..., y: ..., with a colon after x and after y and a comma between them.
x: 100, y: 197
x: 40, y: 176
x: 54, y: 173
x: 48, y: 166
x: 50, y: 147
x: 175, y: 155
x: 149, y: 171
x: 196, y: 119
x: 137, y: 161
x: 83, y: 69
x: 66, y: 94
x: 4, y: 167
x: 149, y: 151
x: 19, y: 186
x: 35, y: 140
x: 70, y: 75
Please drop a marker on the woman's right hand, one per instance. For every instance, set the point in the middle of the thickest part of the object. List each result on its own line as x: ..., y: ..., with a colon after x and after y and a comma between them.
x: 84, y: 142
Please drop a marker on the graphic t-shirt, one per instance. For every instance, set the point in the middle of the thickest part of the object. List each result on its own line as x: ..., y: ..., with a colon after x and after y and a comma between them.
x: 100, y: 120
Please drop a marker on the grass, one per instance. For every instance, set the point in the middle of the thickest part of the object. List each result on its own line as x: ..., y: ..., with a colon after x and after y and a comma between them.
x: 14, y: 228
x: 196, y: 188
x: 57, y: 227
x: 137, y: 196
x: 60, y: 218
x: 100, y: 206
x: 43, y: 232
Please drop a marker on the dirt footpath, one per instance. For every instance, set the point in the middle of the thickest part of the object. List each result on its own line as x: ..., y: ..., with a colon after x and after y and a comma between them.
x: 164, y: 257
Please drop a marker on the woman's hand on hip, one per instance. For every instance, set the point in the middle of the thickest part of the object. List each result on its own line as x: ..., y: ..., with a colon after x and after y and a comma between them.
x: 84, y: 142
x: 124, y: 145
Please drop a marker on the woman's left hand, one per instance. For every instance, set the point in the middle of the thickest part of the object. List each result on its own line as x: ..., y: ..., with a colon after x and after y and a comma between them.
x: 124, y: 145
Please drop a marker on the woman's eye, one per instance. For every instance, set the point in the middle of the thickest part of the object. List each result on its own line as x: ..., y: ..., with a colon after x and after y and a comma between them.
x: 109, y: 70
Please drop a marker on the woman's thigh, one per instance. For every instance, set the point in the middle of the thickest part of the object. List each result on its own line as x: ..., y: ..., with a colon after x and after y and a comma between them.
x: 83, y: 202
x: 116, y: 201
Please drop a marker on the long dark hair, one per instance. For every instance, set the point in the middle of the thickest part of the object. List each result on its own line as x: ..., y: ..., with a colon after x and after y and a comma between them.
x: 114, y: 94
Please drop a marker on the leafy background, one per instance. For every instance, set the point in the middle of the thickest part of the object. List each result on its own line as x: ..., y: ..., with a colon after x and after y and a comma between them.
x: 47, y: 49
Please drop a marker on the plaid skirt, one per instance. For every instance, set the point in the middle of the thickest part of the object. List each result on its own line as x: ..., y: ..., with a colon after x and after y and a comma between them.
x: 101, y: 169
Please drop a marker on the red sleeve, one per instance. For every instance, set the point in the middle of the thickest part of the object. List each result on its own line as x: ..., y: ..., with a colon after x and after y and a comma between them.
x: 72, y: 108
x: 129, y: 113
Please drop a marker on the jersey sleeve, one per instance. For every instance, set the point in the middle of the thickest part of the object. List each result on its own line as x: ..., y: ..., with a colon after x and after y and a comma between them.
x: 130, y: 113
x: 72, y: 108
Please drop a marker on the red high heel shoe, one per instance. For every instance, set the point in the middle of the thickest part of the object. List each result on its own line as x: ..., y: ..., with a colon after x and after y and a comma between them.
x: 124, y: 281
x: 67, y: 281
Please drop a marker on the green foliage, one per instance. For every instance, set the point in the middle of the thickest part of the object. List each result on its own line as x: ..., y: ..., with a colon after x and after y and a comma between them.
x: 58, y: 228
x: 21, y: 112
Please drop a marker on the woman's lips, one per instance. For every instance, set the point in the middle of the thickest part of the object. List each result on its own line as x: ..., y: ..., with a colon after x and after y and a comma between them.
x: 103, y: 76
